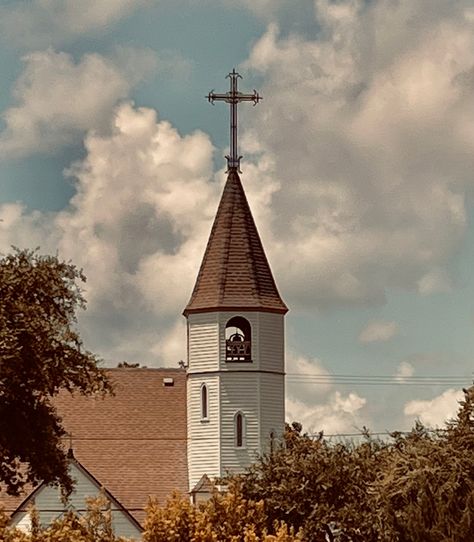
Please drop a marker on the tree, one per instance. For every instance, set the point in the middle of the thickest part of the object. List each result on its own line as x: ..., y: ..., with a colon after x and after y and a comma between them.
x: 416, y: 487
x: 426, y: 489
x: 41, y: 354
x: 318, y: 487
x: 224, y: 517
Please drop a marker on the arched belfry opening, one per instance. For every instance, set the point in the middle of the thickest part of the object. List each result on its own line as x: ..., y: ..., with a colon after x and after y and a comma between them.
x: 238, y: 339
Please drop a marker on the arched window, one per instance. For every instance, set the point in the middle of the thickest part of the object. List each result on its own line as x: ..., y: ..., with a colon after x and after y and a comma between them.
x: 204, y: 403
x: 238, y: 340
x: 239, y: 430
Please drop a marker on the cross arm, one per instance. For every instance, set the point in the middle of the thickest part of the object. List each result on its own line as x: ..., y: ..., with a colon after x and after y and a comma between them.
x: 234, y: 97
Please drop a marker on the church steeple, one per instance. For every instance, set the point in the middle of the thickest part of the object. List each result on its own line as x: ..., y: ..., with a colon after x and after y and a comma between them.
x: 236, y: 338
x: 234, y: 272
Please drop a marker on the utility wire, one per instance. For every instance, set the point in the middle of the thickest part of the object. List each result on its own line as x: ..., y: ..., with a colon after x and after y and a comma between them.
x: 371, y: 434
x: 378, y: 380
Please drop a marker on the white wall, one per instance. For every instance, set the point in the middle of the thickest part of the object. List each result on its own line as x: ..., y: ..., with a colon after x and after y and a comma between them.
x: 203, y: 435
x: 50, y: 507
x: 255, y: 388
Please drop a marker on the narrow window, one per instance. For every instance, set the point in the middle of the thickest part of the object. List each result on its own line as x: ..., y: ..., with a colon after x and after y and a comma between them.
x: 239, y: 428
x: 204, y: 405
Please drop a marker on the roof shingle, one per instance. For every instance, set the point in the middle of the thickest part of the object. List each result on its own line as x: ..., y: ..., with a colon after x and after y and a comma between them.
x: 134, y: 442
x: 234, y: 273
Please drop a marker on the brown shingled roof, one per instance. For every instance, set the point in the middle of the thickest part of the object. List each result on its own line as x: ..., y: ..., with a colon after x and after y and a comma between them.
x: 234, y: 273
x: 134, y: 443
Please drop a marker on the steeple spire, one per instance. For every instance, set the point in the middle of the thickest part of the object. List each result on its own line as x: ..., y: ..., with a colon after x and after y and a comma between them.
x: 233, y: 98
x: 234, y: 272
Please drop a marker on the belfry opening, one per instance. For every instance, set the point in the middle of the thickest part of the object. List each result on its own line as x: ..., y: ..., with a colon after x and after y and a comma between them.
x: 238, y: 339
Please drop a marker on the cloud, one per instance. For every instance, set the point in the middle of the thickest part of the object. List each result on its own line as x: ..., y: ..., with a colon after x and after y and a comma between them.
x: 58, y: 99
x: 435, y: 412
x: 137, y: 224
x: 299, y: 385
x: 339, y: 414
x: 42, y: 23
x: 435, y: 281
x: 364, y: 130
x: 378, y: 331
x: 318, y: 406
x: 404, y: 371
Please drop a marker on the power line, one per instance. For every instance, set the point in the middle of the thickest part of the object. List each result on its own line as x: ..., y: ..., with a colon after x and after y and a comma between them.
x: 379, y: 380
x: 370, y: 433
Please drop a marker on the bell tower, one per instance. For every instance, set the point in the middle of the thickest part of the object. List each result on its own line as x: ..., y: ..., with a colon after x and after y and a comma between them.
x: 235, y: 326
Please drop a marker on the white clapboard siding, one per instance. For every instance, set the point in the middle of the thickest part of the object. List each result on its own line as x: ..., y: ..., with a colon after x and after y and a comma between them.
x: 203, y: 340
x: 203, y: 435
x: 272, y: 342
x: 239, y: 393
x: 272, y: 409
x: 48, y: 503
x: 248, y: 387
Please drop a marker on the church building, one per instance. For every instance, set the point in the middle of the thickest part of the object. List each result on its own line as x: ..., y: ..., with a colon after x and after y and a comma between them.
x: 181, y: 429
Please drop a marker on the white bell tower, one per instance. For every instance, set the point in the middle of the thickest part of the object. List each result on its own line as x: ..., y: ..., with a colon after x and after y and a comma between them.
x: 235, y: 375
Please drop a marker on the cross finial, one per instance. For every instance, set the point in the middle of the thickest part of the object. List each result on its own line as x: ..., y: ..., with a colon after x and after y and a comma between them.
x: 233, y: 98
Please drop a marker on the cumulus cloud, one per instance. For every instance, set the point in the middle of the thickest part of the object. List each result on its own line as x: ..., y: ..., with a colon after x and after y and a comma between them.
x: 338, y: 414
x: 317, y: 404
x: 42, y: 23
x: 368, y: 140
x: 58, y: 99
x: 378, y: 331
x: 435, y: 412
x: 137, y: 224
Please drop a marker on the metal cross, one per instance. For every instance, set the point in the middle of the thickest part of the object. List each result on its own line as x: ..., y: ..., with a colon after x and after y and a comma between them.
x: 233, y: 98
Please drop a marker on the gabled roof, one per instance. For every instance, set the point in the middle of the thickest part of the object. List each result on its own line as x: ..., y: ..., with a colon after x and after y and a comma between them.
x: 134, y: 442
x: 204, y: 485
x: 24, y: 506
x: 234, y: 273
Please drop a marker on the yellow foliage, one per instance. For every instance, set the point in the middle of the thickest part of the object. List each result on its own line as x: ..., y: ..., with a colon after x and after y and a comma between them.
x: 224, y: 518
x: 94, y: 526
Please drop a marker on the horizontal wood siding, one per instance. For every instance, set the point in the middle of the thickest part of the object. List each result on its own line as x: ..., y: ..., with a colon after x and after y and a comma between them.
x: 272, y: 408
x: 239, y: 392
x: 203, y: 342
x: 203, y: 436
x: 49, y: 505
x: 272, y: 342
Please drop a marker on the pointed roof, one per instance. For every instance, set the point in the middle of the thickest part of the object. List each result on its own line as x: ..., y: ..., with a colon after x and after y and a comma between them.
x: 234, y: 272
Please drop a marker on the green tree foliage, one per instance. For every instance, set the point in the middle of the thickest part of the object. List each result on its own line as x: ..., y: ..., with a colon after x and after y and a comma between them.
x: 417, y: 487
x: 317, y: 486
x: 425, y: 491
x: 40, y: 354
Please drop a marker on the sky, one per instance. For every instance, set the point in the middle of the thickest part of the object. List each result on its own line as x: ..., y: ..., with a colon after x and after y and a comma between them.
x: 358, y: 166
